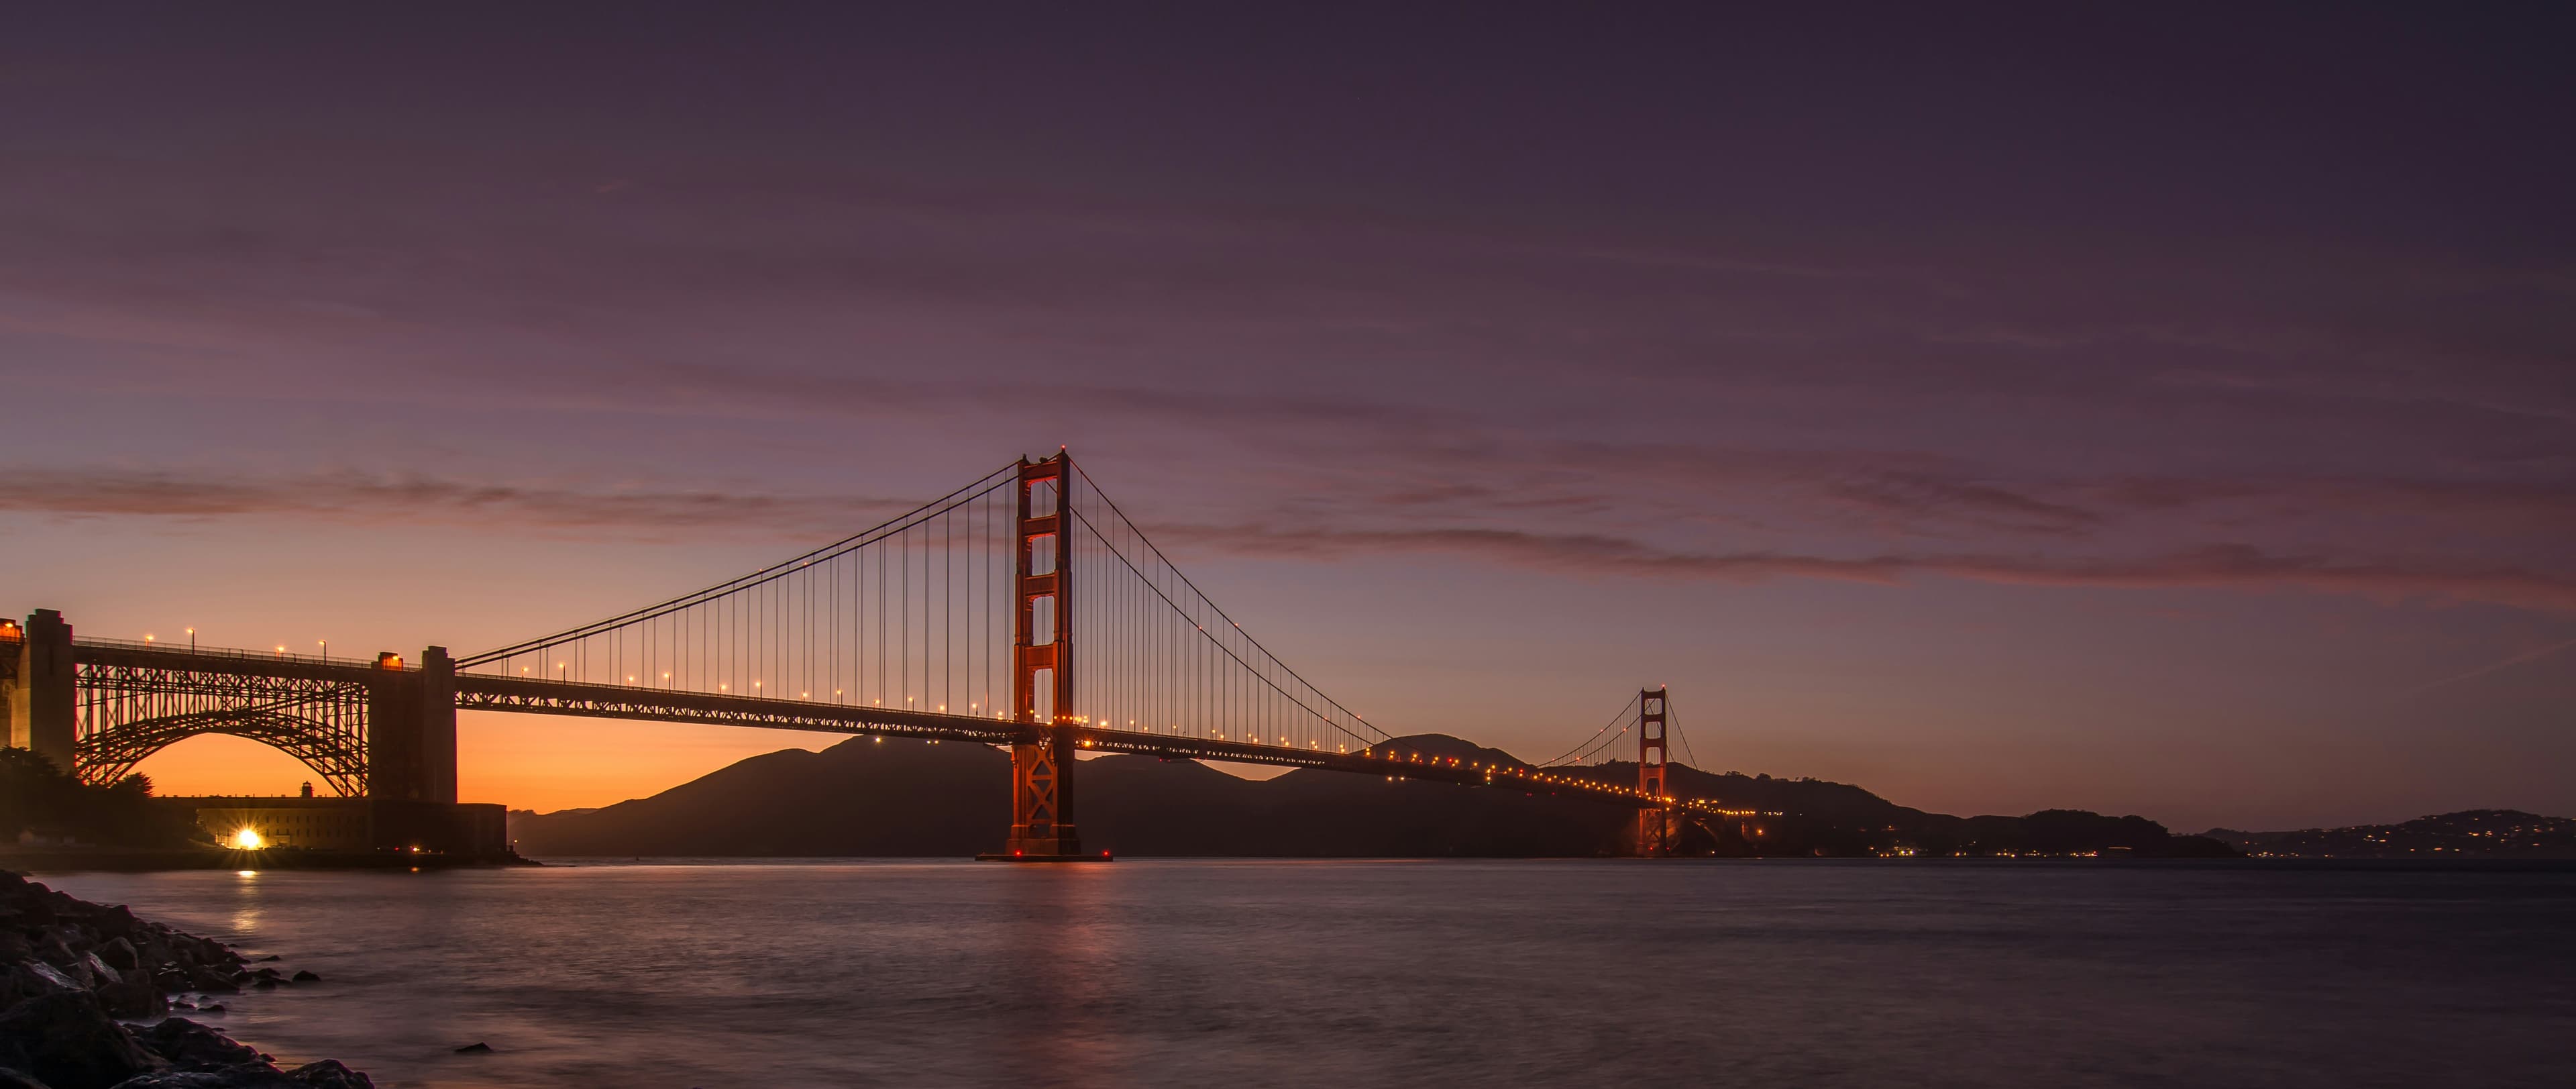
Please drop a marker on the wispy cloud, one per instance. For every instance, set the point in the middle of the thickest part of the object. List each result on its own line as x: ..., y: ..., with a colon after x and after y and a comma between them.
x: 2077, y: 555
x: 2532, y: 655
x: 2233, y: 567
x: 423, y: 500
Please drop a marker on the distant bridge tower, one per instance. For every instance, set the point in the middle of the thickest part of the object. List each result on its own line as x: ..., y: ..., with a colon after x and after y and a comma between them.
x: 1042, y: 821
x: 1655, y: 826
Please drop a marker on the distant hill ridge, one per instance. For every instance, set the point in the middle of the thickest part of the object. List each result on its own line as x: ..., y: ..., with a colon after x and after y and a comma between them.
x: 871, y: 797
x: 2469, y: 833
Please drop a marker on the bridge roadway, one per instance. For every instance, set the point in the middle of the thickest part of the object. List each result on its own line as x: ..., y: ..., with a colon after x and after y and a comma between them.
x: 154, y: 666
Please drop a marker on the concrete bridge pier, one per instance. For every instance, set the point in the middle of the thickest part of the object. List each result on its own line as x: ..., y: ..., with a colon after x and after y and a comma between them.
x: 411, y: 729
x: 37, y: 683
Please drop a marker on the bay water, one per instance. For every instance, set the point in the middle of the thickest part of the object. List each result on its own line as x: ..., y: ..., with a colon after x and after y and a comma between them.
x: 1383, y: 973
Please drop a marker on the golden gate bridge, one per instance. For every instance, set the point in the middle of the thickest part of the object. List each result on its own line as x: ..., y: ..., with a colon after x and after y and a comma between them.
x: 1024, y: 610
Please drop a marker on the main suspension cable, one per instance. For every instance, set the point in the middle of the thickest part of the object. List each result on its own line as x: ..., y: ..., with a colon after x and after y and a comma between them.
x: 897, y: 524
x: 1579, y: 746
x: 1220, y: 613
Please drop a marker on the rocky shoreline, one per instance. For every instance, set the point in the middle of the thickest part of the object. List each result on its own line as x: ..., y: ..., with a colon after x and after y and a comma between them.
x: 86, y: 994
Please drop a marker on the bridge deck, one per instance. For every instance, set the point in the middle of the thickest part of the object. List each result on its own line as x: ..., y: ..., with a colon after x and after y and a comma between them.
x: 528, y: 695
x: 125, y: 654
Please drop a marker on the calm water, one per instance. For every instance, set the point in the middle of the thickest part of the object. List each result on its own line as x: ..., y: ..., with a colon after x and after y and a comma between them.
x: 1355, y: 974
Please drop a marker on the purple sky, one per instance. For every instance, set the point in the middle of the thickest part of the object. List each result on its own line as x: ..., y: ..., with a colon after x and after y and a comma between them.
x: 2169, y: 412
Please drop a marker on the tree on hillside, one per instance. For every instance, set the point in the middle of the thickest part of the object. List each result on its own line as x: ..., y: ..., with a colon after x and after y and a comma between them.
x: 39, y: 797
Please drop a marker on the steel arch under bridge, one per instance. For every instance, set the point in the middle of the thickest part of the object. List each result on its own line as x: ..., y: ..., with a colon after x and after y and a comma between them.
x: 132, y: 700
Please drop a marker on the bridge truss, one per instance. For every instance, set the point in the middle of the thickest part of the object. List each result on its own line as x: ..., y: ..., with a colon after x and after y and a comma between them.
x: 136, y: 699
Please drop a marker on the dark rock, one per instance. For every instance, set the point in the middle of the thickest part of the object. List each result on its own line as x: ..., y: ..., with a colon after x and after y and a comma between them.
x: 475, y: 1049
x: 67, y: 1041
x: 19, y: 982
x: 329, y: 1074
x: 265, y: 983
x: 53, y: 978
x: 255, y: 1076
x: 53, y: 950
x: 68, y: 968
x: 120, y: 955
x: 191, y: 1045
x: 132, y: 1001
x: 117, y: 922
x: 100, y: 972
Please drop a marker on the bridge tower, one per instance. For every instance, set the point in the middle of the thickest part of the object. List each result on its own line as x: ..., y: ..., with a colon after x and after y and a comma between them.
x: 38, y: 685
x: 411, y: 729
x: 1655, y: 831
x: 1042, y: 820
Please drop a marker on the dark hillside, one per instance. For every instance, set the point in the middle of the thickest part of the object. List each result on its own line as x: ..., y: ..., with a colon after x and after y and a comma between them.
x: 897, y: 798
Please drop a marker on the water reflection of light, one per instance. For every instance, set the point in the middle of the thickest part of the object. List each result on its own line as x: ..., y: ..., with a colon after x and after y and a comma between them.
x: 246, y: 902
x: 1069, y: 949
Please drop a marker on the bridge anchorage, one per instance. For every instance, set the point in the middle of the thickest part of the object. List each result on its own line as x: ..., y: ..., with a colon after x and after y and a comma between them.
x: 957, y: 621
